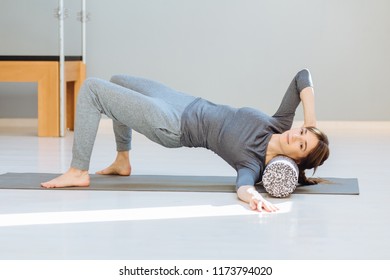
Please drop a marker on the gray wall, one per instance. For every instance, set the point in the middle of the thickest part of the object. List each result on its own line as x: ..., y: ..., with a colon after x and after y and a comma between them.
x: 237, y: 52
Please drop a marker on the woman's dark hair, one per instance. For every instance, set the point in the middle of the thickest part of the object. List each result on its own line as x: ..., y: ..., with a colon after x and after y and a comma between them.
x: 316, y: 157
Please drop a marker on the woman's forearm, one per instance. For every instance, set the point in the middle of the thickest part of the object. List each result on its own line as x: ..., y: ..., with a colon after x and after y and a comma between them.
x: 307, y: 98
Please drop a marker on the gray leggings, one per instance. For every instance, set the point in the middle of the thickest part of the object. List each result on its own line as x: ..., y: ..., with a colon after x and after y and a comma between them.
x: 146, y: 106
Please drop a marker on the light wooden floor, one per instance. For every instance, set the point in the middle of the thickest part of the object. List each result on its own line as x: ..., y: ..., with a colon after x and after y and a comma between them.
x: 157, y: 225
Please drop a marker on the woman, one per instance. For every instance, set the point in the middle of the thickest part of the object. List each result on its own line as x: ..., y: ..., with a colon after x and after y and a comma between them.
x: 245, y: 138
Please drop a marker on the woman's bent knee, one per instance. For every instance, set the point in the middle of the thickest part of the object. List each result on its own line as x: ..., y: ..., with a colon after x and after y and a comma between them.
x: 118, y: 79
x: 91, y: 82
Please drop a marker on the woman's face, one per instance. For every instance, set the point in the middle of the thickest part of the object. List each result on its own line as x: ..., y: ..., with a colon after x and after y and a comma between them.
x: 297, y: 143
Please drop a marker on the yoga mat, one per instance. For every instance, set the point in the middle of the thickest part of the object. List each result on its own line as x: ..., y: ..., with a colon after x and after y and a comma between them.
x: 31, y: 181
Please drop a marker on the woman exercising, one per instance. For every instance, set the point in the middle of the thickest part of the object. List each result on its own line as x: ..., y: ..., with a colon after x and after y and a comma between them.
x: 245, y: 138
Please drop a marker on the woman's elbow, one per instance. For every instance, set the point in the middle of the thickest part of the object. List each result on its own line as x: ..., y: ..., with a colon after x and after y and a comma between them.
x: 303, y: 79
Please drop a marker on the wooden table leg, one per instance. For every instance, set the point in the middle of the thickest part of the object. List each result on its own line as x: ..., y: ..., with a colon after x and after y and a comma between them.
x: 75, y: 76
x: 49, y: 101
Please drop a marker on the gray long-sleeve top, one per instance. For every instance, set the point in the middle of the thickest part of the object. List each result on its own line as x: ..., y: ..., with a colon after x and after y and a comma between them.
x: 240, y: 135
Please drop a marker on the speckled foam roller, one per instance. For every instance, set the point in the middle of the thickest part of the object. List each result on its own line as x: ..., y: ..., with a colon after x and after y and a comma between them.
x: 280, y: 176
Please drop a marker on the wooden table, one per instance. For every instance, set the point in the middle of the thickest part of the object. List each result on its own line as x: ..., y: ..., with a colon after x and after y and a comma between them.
x: 45, y: 71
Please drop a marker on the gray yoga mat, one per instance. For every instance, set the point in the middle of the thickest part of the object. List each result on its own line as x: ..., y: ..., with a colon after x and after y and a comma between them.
x: 31, y: 181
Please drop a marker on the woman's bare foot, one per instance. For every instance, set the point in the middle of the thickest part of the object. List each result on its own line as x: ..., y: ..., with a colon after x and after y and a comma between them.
x: 121, y: 166
x: 72, y: 178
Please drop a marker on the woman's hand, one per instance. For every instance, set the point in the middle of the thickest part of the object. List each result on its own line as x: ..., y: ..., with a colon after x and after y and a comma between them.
x: 260, y: 204
x: 255, y: 200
